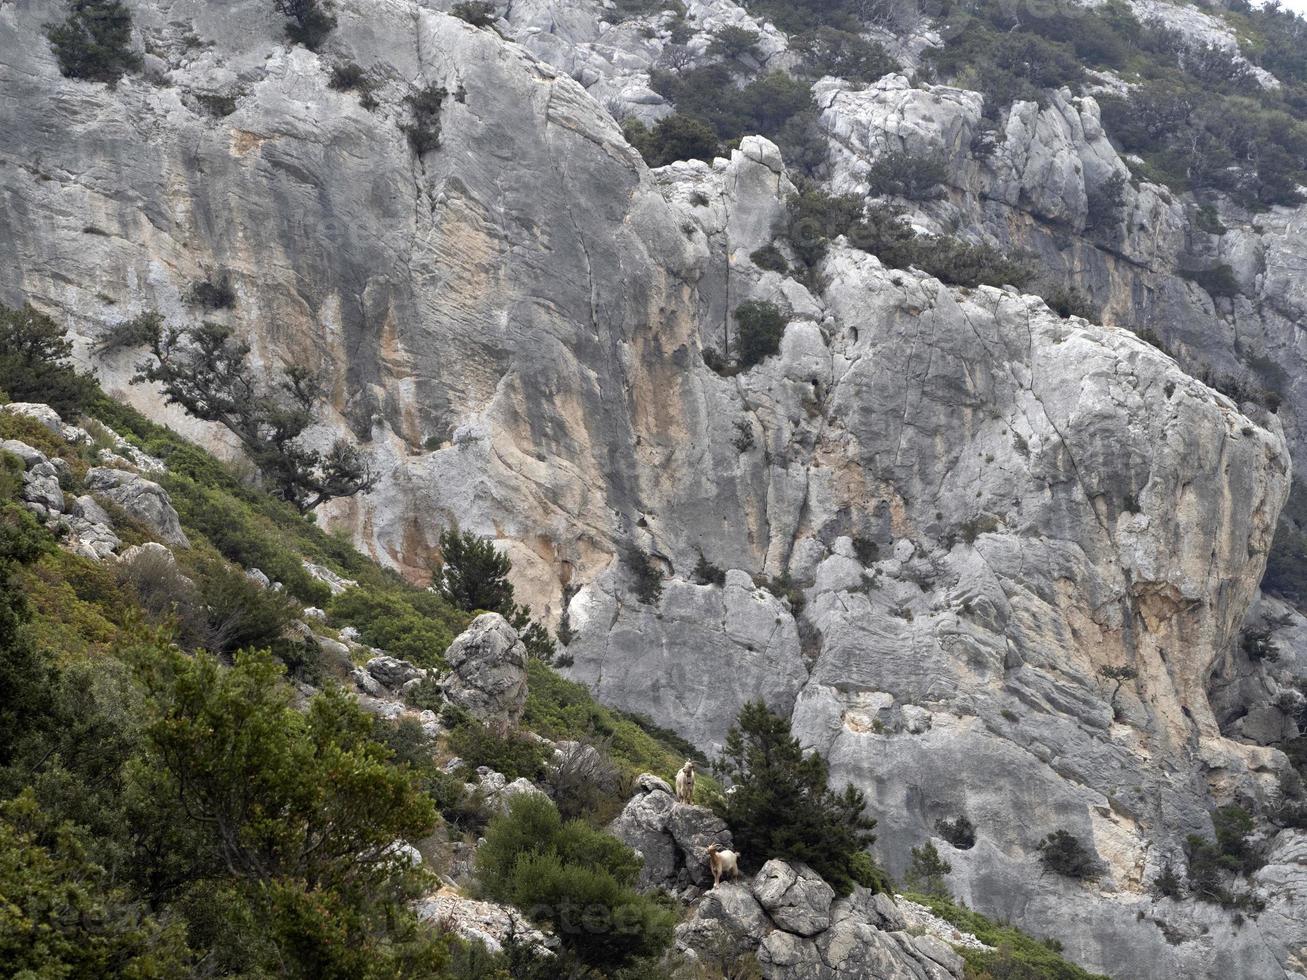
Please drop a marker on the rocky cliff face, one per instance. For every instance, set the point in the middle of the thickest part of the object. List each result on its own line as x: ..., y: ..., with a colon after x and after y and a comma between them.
x: 981, y: 505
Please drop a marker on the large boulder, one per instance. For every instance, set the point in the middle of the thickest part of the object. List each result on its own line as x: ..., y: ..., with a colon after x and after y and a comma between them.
x: 796, y: 897
x: 143, y: 499
x: 392, y: 672
x: 487, y: 675
x: 673, y: 837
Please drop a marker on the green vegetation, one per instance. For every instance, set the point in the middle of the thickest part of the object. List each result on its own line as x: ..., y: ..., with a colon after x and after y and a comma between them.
x: 927, y: 870
x: 206, y: 371
x: 1214, y: 864
x: 1016, y: 955
x: 674, y: 137
x: 916, y: 176
x: 960, y: 832
x: 424, y: 131
x: 349, y: 77
x: 816, y: 218
x: 412, y: 624
x: 1064, y: 853
x: 309, y: 21
x: 161, y: 811
x: 560, y: 709
x: 478, y: 13
x: 215, y: 292
x: 577, y: 879
x: 646, y: 574
x: 472, y: 575
x: 94, y: 42
x: 780, y: 804
x: 734, y: 43
x: 842, y: 54
x: 761, y: 325
x: 34, y: 365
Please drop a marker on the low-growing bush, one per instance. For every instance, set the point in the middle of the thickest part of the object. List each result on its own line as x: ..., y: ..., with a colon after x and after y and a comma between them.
x: 213, y: 293
x: 960, y: 832
x: 1214, y: 865
x: 423, y: 131
x: 478, y: 13
x: 575, y: 878
x: 760, y: 327
x: 769, y: 257
x: 734, y: 43
x: 415, y: 626
x: 585, y: 783
x: 842, y: 54
x: 505, y: 750
x: 1064, y: 853
x: 706, y: 573
x: 646, y: 573
x: 674, y: 137
x: 1219, y: 281
x: 310, y: 21
x: 94, y: 42
x: 901, y: 173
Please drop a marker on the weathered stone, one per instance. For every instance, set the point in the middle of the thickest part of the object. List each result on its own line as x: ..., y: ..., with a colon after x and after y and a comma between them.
x: 393, y: 673
x: 487, y: 676
x: 796, y: 897
x: 643, y: 825
x: 143, y: 499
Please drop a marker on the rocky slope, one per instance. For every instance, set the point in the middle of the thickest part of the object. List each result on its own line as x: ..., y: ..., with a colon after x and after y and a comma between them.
x: 983, y: 505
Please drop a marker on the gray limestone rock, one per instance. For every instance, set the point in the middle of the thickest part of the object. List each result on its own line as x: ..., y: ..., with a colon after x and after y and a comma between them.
x: 487, y: 675
x: 143, y: 499
x: 796, y: 897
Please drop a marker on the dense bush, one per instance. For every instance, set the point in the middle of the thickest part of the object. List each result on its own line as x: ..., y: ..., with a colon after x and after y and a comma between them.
x: 423, y: 131
x: 960, y: 832
x: 35, y: 365
x: 478, y: 13
x: 94, y: 42
x: 585, y: 783
x: 769, y: 257
x: 759, y: 328
x: 1214, y: 864
x: 1012, y: 954
x: 828, y: 51
x: 310, y: 21
x: 1219, y: 281
x: 926, y: 873
x: 780, y: 804
x: 1064, y: 853
x: 213, y: 293
x: 674, y: 137
x: 734, y: 43
x: 576, y: 879
x: 415, y: 626
x: 349, y: 77
x: 901, y: 173
x: 710, y: 94
x: 646, y: 574
x: 505, y: 750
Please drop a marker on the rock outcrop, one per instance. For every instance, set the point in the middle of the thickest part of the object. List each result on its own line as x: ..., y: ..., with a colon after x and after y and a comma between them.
x: 143, y: 499
x: 487, y: 675
x: 672, y: 837
x: 939, y: 514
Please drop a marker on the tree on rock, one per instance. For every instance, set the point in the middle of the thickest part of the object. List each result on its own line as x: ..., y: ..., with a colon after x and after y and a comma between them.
x: 310, y: 23
x: 206, y: 371
x: 35, y: 366
x: 94, y: 43
x: 473, y: 575
x: 781, y: 807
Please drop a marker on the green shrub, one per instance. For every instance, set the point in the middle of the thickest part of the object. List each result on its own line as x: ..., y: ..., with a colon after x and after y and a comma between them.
x: 647, y: 574
x: 1014, y: 954
x: 760, y: 327
x: 734, y: 43
x: 769, y: 257
x: 817, y: 218
x: 478, y: 13
x: 710, y: 94
x: 1105, y: 206
x: 35, y: 363
x: 310, y: 21
x: 94, y: 42
x: 1219, y: 281
x: 780, y: 804
x: 842, y: 54
x: 674, y: 137
x: 423, y: 131
x: 1064, y: 853
x: 575, y: 878
x: 414, y: 626
x: 916, y: 176
x: 1214, y: 864
x: 508, y: 751
x: 927, y: 870
x: 213, y: 293
x: 960, y: 832
x: 706, y: 573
